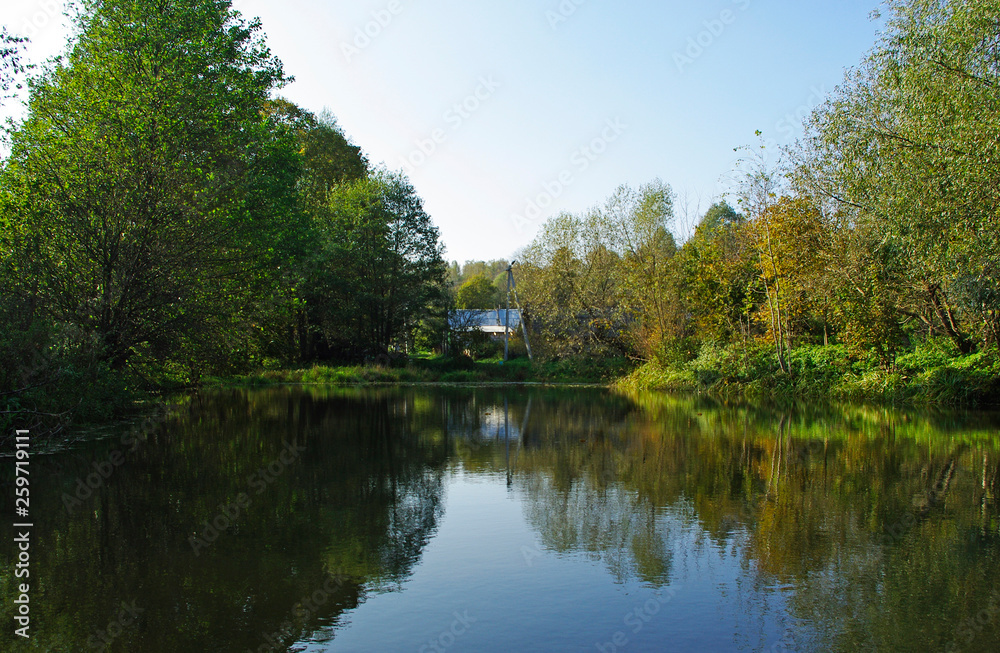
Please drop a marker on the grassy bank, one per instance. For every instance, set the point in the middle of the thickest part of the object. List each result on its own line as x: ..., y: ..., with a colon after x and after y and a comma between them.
x: 930, y: 374
x: 444, y: 370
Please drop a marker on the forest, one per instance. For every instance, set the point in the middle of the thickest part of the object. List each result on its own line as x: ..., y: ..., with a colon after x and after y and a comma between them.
x: 166, y: 218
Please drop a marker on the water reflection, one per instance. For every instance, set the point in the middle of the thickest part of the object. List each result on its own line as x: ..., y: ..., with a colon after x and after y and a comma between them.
x: 812, y: 529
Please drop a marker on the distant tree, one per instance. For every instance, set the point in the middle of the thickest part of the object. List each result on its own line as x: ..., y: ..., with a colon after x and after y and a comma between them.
x: 636, y: 225
x: 605, y: 281
x: 720, y: 218
x: 719, y: 272
x: 328, y: 160
x: 477, y: 293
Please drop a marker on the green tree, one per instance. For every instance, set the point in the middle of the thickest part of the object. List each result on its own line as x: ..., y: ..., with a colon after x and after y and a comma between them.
x: 719, y: 275
x: 380, y: 270
x: 605, y: 281
x: 790, y: 243
x: 147, y: 197
x: 10, y: 58
x: 329, y: 160
x: 909, y: 148
x: 477, y: 293
x: 636, y: 225
x: 329, y: 157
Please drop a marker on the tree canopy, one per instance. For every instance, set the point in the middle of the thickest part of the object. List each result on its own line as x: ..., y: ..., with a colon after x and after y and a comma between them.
x: 164, y: 214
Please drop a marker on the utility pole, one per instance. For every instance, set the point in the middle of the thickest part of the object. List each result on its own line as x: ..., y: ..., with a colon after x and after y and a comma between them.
x: 506, y: 315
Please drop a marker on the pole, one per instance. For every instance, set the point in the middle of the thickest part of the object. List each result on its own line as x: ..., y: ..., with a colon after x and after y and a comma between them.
x: 506, y: 436
x: 520, y: 311
x: 506, y: 317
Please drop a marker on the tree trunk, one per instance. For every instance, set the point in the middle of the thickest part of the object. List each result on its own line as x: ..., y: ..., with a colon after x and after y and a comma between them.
x: 944, y: 313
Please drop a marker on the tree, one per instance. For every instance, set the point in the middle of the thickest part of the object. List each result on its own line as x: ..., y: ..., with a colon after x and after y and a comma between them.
x: 10, y: 58
x: 329, y: 160
x: 605, y: 281
x: 380, y: 268
x: 909, y: 148
x: 719, y: 277
x: 570, y: 291
x: 635, y: 224
x: 791, y: 238
x: 759, y: 190
x: 477, y: 293
x: 147, y: 197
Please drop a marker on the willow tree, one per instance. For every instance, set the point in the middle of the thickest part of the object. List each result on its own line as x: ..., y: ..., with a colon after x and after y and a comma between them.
x: 10, y: 59
x: 635, y: 224
x: 147, y: 195
x: 603, y: 281
x: 908, y: 147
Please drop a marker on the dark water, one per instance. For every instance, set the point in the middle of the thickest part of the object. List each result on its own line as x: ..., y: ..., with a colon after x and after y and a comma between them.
x: 432, y: 520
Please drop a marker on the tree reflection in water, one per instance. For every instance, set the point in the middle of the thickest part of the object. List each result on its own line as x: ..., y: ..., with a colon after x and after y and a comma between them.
x: 879, y: 527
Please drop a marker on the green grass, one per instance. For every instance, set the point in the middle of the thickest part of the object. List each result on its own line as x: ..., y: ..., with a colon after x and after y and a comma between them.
x: 928, y: 375
x: 423, y: 369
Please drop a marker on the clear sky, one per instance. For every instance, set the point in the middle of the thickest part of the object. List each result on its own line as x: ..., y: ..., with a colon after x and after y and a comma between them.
x: 504, y: 112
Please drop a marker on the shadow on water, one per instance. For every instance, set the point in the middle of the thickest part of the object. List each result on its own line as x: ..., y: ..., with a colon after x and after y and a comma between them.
x: 257, y: 519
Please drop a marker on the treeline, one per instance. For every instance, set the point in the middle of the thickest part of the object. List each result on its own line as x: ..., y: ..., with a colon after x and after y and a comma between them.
x: 864, y: 261
x: 478, y: 284
x: 164, y: 216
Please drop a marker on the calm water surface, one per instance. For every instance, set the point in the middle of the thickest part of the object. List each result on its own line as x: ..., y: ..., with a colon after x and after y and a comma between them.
x: 431, y: 520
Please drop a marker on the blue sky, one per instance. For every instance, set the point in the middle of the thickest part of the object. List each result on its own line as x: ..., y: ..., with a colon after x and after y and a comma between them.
x: 506, y: 112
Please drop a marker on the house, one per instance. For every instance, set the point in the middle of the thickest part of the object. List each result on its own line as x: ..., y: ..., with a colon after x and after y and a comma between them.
x: 488, y: 321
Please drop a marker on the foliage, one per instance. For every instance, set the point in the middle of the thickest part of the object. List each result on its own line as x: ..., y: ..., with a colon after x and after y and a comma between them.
x: 144, y: 194
x: 164, y: 217
x: 907, y: 149
x: 601, y: 282
x: 10, y: 58
x: 926, y: 376
x: 379, y: 270
x: 478, y: 292
x: 437, y: 369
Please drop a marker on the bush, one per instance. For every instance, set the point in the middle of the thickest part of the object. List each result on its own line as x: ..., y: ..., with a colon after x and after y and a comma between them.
x: 52, y: 375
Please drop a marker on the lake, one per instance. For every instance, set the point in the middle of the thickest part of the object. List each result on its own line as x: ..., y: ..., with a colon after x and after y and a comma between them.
x: 513, y: 519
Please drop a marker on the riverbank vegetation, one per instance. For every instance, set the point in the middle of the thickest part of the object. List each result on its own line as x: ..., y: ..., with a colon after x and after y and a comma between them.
x: 445, y: 370
x: 166, y: 219
x: 863, y: 263
x: 165, y: 215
